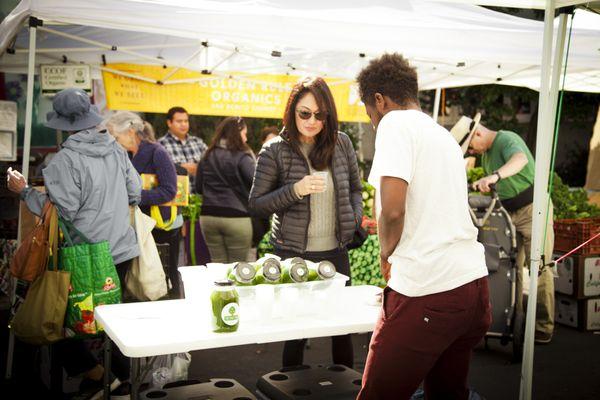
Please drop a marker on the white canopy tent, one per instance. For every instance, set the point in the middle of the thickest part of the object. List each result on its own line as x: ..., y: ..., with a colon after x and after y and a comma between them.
x: 451, y: 44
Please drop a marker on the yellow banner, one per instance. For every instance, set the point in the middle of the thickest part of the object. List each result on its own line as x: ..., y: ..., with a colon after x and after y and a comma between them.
x: 257, y: 96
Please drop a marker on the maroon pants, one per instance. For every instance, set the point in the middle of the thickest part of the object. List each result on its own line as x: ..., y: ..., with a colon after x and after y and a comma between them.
x: 428, y: 338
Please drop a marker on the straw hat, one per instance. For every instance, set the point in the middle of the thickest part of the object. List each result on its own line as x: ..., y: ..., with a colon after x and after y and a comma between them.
x: 464, y: 130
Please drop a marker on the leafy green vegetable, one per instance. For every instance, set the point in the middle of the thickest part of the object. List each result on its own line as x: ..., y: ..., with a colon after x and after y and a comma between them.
x: 192, y: 211
x: 571, y: 203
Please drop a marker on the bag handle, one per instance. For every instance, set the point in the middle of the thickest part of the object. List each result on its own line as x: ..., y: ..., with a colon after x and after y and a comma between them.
x: 53, y: 239
x: 65, y: 226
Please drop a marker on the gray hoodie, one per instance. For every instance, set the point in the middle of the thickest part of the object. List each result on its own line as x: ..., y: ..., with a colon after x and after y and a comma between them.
x: 92, y: 183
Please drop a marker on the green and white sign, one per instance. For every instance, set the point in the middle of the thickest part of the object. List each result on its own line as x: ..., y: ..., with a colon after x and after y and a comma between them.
x: 62, y: 76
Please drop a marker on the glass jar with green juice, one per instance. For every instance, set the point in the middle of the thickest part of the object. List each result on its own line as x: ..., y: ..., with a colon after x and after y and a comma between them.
x: 323, y: 271
x: 225, y: 307
x: 294, y: 272
x: 269, y: 272
x: 242, y: 274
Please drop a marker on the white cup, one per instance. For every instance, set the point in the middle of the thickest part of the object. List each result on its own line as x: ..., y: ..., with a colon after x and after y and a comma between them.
x: 265, y: 298
x: 323, y: 175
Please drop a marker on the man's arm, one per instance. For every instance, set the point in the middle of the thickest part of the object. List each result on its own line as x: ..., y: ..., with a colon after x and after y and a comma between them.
x: 391, y: 219
x: 513, y: 166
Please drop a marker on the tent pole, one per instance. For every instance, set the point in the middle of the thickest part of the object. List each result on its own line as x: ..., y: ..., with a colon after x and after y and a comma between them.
x: 546, y: 118
x: 436, y: 104
x: 33, y: 24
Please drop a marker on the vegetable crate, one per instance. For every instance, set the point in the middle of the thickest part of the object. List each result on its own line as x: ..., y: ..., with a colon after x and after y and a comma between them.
x: 570, y: 233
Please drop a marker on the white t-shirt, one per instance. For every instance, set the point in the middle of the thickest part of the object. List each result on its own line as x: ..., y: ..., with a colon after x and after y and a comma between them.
x: 438, y: 250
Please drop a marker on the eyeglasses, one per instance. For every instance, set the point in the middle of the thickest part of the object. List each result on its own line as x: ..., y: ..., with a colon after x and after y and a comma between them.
x: 306, y: 114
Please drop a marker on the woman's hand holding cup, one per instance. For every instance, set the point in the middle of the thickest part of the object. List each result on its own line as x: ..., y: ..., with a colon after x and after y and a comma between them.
x: 310, y: 184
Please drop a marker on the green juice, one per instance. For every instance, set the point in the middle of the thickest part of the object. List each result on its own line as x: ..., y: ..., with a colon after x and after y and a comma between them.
x: 242, y: 274
x: 323, y: 271
x: 295, y: 273
x: 225, y: 307
x: 269, y: 272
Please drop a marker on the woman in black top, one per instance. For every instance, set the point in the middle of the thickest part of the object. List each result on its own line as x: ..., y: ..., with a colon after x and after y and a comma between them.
x: 224, y: 179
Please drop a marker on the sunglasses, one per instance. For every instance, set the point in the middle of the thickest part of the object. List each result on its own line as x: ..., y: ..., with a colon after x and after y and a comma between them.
x: 306, y: 114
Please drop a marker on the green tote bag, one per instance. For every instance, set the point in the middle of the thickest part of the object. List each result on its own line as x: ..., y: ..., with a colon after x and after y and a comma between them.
x: 94, y: 280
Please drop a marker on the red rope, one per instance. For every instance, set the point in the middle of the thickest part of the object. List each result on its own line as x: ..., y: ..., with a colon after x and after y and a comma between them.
x: 575, y: 249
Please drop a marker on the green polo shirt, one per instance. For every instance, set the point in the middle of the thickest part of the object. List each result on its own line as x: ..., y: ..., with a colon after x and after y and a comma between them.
x: 505, y: 145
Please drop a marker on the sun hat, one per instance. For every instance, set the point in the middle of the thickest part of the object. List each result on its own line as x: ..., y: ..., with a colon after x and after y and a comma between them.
x: 464, y: 130
x: 72, y: 111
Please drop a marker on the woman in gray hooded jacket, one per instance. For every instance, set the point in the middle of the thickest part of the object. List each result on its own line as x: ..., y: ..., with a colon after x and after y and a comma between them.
x: 92, y: 183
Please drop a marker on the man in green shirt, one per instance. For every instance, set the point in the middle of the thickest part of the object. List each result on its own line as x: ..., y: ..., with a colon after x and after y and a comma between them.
x: 509, y: 165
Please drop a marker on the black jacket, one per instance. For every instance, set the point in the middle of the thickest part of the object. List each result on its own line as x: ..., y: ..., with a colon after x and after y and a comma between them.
x: 224, y: 179
x: 279, y: 167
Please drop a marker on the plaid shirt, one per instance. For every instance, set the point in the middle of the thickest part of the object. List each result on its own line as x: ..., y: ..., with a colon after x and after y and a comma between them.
x: 188, y: 151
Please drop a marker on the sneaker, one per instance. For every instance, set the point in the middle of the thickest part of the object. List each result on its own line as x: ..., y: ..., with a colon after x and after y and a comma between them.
x: 543, y: 338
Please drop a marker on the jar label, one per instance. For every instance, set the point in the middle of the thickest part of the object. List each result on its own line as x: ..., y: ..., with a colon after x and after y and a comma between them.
x: 230, y: 314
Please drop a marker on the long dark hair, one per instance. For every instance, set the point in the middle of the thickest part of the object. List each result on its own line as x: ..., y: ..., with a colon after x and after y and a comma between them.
x: 322, y: 153
x: 229, y: 130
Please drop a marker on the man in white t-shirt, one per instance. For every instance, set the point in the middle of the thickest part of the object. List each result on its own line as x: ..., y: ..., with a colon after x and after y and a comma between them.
x: 436, y: 305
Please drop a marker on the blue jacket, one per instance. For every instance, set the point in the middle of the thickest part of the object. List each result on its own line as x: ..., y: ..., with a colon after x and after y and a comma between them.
x: 92, y: 183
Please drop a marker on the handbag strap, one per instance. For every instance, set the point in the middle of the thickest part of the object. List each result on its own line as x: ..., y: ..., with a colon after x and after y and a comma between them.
x: 65, y: 226
x: 53, y: 239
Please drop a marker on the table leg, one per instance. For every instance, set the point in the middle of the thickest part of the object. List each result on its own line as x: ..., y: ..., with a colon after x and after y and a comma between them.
x: 135, y: 384
x: 107, y: 357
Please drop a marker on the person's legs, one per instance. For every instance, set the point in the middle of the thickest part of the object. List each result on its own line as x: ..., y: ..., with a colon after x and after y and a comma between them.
x: 412, y: 335
x: 293, y: 353
x: 237, y: 235
x: 342, y: 351
x: 211, y: 228
x: 544, y: 324
x: 172, y: 238
x: 448, y: 377
x: 522, y: 219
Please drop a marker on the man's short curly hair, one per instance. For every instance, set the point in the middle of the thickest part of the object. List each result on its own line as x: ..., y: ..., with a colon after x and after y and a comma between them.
x: 390, y: 75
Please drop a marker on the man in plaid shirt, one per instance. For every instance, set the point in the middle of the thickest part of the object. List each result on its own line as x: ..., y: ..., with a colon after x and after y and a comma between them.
x: 185, y: 150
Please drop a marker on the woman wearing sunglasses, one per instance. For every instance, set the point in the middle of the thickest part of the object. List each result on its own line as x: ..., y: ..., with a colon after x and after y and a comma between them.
x: 308, y: 179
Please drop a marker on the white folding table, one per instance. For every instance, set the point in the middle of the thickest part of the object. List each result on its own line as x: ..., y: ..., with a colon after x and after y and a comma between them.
x: 176, y: 326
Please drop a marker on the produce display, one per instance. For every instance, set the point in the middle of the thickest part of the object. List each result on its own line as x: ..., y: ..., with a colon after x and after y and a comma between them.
x: 368, y: 198
x: 475, y: 174
x: 571, y: 203
x: 364, y: 263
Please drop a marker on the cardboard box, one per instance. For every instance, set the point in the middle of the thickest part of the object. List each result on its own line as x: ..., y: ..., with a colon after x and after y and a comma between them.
x: 581, y: 314
x: 578, y: 276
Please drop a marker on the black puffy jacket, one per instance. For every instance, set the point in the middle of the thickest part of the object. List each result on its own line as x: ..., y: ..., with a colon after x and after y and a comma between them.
x: 279, y: 167
x: 224, y: 179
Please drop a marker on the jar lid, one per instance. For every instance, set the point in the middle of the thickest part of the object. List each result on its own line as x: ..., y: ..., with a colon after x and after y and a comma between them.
x: 244, y: 271
x: 326, y: 269
x: 271, y: 269
x: 299, y: 272
x: 224, y: 282
x: 298, y: 260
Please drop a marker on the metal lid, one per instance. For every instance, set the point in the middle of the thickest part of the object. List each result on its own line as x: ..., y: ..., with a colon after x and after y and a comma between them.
x: 298, y: 260
x: 271, y: 269
x: 326, y: 270
x: 224, y: 282
x: 244, y: 272
x: 299, y: 272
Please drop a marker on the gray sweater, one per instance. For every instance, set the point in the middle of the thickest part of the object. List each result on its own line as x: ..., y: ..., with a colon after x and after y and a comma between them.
x: 92, y: 183
x: 321, y: 228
